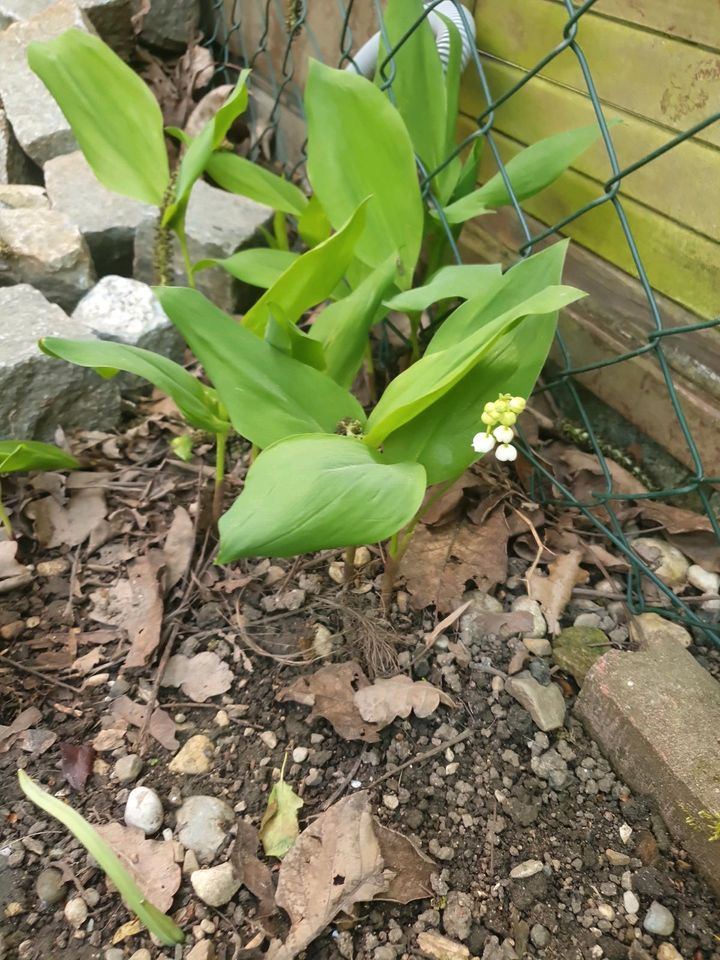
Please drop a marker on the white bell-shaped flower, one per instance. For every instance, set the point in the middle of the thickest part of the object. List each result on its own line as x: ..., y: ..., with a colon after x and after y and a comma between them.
x: 483, y: 442
x: 503, y: 434
x: 506, y: 452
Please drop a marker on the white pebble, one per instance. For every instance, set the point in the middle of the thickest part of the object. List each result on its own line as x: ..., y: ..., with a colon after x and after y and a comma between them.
x: 659, y: 920
x: 215, y: 886
x: 528, y: 868
x: 625, y: 832
x: 300, y: 754
x: 144, y: 810
x: 703, y: 580
x: 76, y: 912
x: 269, y: 739
x: 390, y: 801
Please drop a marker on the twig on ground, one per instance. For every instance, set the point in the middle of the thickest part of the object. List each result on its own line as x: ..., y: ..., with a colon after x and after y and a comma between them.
x: 420, y: 758
x: 339, y: 791
x: 54, y: 682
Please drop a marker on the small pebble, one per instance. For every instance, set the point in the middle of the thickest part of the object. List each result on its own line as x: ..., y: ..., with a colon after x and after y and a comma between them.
x: 144, y: 809
x: 658, y: 920
x: 128, y: 768
x: 76, y: 912
x: 194, y: 757
x: 616, y: 858
x: 390, y: 801
x: 625, y: 832
x: 300, y: 754
x: 666, y: 951
x: 269, y: 738
x: 50, y: 886
x: 528, y: 868
x: 52, y: 568
x: 141, y: 954
x: 222, y: 719
x: 215, y: 886
x: 204, y: 950
x: 114, y: 953
x: 700, y: 578
x: 539, y: 935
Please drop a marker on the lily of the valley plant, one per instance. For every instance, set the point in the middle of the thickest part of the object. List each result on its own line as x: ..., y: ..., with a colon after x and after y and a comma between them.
x: 330, y: 474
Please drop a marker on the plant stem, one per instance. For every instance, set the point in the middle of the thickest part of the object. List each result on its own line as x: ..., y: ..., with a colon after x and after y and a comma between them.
x: 189, y: 270
x: 349, y: 569
x: 280, y: 226
x: 414, y: 319
x: 370, y: 367
x: 220, y: 439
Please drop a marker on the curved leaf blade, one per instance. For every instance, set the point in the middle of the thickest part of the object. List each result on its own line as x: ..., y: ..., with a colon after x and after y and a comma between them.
x: 238, y: 175
x: 316, y: 492
x: 259, y: 267
x: 20, y: 455
x: 464, y: 282
x: 115, y: 118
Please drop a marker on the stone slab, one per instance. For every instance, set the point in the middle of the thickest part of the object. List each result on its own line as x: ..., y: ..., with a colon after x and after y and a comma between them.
x: 111, y: 18
x: 218, y: 224
x: 655, y: 714
x: 170, y: 24
x: 38, y: 393
x: 107, y: 220
x: 42, y: 248
x: 15, y: 166
x: 37, y: 122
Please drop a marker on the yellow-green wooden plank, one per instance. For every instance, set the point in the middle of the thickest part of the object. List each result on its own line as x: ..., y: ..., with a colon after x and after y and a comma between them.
x: 676, y: 183
x: 663, y: 79
x: 680, y: 263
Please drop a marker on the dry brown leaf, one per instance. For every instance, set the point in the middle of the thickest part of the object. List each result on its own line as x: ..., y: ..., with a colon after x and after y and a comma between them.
x: 701, y: 547
x: 178, y: 548
x: 252, y: 872
x: 411, y: 867
x: 162, y: 725
x: 553, y: 591
x: 77, y: 763
x: 334, y: 863
x: 135, y: 604
x: 439, y: 562
x: 36, y: 741
x: 330, y: 692
x: 151, y: 862
x: 207, y: 108
x: 23, y: 721
x: 83, y: 665
x: 203, y: 676
x: 12, y: 573
x: 577, y: 461
x: 388, y: 698
x: 58, y: 525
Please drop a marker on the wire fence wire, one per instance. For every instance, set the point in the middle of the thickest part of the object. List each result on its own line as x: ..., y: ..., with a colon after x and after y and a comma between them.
x: 271, y: 50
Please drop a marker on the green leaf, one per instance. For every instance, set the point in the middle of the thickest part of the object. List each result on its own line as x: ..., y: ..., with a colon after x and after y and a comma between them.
x: 311, y: 278
x: 358, y: 146
x: 259, y: 267
x: 201, y: 148
x: 440, y: 437
x: 196, y: 403
x: 313, y: 225
x: 470, y: 170
x: 343, y: 327
x: 20, y: 455
x: 238, y: 175
x: 317, y: 492
x: 115, y: 118
x: 290, y: 340
x: 279, y: 828
x: 268, y: 395
x: 529, y: 172
x: 436, y: 373
x: 466, y: 281
x: 182, y: 447
x: 158, y: 923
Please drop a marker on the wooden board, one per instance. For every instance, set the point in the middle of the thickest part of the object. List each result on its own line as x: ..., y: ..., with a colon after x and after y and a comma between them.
x: 695, y: 20
x: 542, y: 108
x: 662, y: 79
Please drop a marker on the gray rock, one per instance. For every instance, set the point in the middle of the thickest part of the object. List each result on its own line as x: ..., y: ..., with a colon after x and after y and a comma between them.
x: 50, y: 886
x: 107, y: 220
x: 526, y: 869
x: 111, y: 18
x: 127, y: 311
x: 539, y: 935
x: 458, y: 915
x: 38, y: 123
x: 545, y: 704
x: 144, y: 809
x: 217, y: 225
x: 202, y: 823
x: 658, y: 920
x: 13, y: 10
x: 215, y: 886
x: 38, y: 393
x: 76, y: 912
x: 630, y: 902
x: 42, y: 248
x: 552, y: 767
x: 170, y: 24
x: 114, y: 953
x: 18, y: 196
x: 15, y: 166
x: 128, y: 768
x: 472, y: 621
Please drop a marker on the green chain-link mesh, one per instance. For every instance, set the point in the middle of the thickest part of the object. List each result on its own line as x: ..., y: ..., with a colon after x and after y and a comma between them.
x: 290, y: 17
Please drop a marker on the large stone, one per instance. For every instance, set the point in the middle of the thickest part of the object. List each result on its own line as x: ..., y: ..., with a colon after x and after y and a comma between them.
x: 127, y: 311
x: 42, y: 248
x: 38, y: 123
x: 654, y: 714
x: 13, y: 10
x: 170, y: 24
x: 15, y: 166
x: 217, y: 225
x: 203, y: 823
x: 20, y: 196
x: 111, y: 18
x: 107, y: 220
x: 38, y: 393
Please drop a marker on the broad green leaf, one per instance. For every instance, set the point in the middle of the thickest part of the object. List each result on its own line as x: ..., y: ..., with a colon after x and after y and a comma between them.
x: 260, y: 267
x: 313, y: 225
x: 436, y: 373
x: 470, y: 171
x: 201, y: 148
x: 439, y: 438
x: 268, y: 395
x: 197, y: 403
x: 529, y: 172
x: 292, y: 341
x: 158, y: 923
x: 317, y: 492
x: 238, y: 175
x: 115, y: 118
x: 311, y: 278
x: 358, y: 147
x: 464, y: 282
x: 279, y: 826
x: 19, y: 455
x: 343, y: 327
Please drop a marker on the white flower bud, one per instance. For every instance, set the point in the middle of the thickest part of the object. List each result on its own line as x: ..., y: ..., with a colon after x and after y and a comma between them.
x: 506, y: 452
x: 483, y: 443
x: 503, y: 434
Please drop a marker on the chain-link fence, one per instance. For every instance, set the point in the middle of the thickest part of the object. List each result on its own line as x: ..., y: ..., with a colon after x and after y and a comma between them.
x: 265, y: 34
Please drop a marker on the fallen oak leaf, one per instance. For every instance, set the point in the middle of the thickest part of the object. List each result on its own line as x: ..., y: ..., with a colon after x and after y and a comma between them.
x: 279, y: 826
x: 151, y: 863
x: 334, y: 863
x: 162, y: 725
x: 77, y: 763
x: 388, y: 698
x: 57, y: 525
x: 412, y: 869
x: 203, y: 676
x: 330, y: 692
x: 179, y: 547
x: 553, y: 592
x: 23, y: 721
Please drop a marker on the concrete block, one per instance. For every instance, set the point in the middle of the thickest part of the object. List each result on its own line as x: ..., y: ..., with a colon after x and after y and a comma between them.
x: 655, y: 714
x: 107, y: 220
x: 39, y: 393
x: 218, y: 224
x: 37, y: 122
x: 42, y: 248
x: 170, y: 24
x: 15, y: 166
